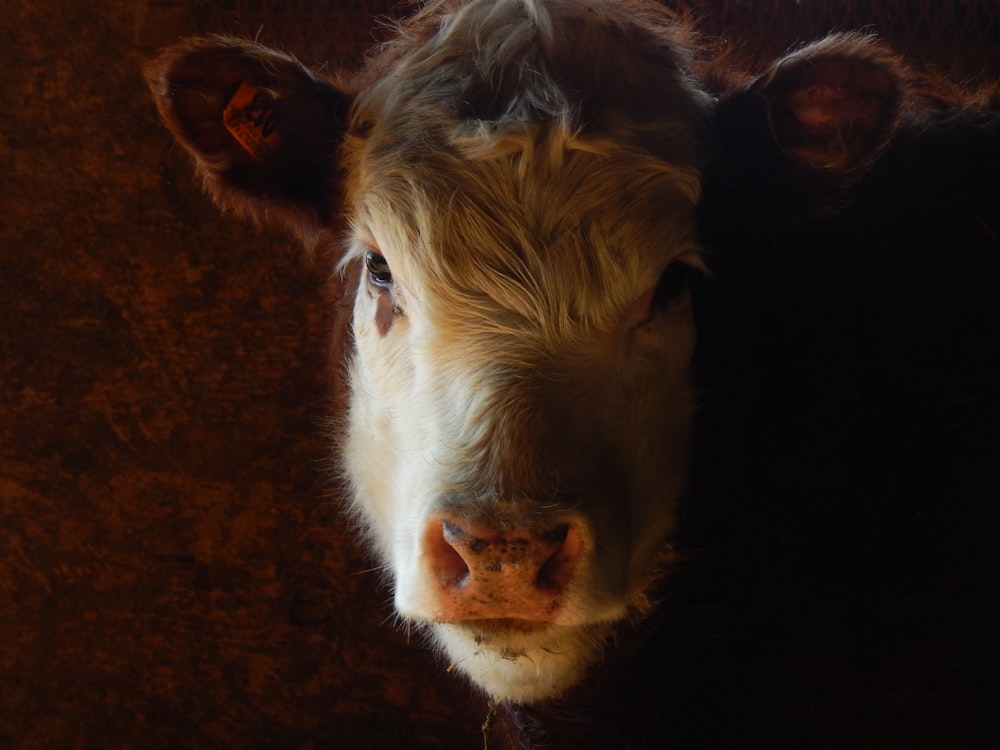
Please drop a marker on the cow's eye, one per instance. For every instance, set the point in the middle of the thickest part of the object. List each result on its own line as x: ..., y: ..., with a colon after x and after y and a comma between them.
x: 378, y: 269
x: 673, y: 281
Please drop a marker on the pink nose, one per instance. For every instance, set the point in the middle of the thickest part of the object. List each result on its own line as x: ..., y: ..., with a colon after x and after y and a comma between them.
x: 485, y: 571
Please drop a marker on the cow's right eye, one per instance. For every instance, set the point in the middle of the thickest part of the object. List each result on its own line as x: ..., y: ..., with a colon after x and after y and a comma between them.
x: 378, y: 269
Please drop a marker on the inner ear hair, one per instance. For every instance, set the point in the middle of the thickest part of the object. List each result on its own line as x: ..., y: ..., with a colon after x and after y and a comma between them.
x: 264, y: 131
x: 834, y: 105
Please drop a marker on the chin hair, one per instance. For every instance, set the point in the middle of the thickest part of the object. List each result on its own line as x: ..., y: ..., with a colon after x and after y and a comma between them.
x: 523, y: 666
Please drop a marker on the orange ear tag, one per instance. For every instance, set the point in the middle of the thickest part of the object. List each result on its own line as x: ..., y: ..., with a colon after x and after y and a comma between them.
x: 252, y: 118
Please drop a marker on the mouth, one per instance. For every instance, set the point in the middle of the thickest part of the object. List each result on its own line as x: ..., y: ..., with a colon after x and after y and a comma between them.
x: 504, y: 625
x: 509, y: 637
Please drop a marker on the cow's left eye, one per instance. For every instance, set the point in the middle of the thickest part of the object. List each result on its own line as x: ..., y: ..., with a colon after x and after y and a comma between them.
x: 378, y: 269
x: 673, y: 281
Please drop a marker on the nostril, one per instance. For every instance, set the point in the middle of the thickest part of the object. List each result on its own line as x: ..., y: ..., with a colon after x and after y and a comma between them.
x: 557, y: 571
x: 442, y: 547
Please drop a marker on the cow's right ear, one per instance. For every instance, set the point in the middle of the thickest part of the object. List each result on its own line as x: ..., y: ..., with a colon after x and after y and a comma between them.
x: 264, y: 131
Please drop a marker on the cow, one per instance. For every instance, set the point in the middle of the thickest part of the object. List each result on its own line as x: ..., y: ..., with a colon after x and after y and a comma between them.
x: 625, y: 336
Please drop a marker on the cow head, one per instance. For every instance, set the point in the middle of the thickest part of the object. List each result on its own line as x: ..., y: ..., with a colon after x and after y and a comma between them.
x: 520, y: 180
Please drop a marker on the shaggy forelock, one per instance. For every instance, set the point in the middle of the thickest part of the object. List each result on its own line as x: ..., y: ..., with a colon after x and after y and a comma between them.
x: 591, y: 65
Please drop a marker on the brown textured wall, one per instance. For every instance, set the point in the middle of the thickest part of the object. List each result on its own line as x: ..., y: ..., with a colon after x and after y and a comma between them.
x: 174, y: 568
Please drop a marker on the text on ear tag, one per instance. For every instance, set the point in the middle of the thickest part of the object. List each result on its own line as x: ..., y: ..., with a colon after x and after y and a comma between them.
x: 252, y: 118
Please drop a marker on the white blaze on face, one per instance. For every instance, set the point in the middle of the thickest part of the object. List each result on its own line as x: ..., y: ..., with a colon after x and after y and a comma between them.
x: 520, y: 395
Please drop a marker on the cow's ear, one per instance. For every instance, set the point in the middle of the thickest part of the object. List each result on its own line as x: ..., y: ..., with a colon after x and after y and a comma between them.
x: 264, y: 131
x: 817, y: 118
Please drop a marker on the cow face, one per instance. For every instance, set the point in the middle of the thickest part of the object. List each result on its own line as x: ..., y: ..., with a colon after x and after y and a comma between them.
x: 520, y: 384
x: 520, y: 181
x: 520, y: 401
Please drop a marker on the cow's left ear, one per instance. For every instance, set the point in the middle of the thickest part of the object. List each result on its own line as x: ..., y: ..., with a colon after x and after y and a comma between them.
x: 264, y: 131
x: 817, y: 118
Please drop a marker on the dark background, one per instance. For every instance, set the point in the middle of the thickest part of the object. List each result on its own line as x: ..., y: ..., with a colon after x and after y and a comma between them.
x: 175, y: 570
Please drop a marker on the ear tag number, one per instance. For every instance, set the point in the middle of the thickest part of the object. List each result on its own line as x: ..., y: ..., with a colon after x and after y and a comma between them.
x: 251, y: 117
